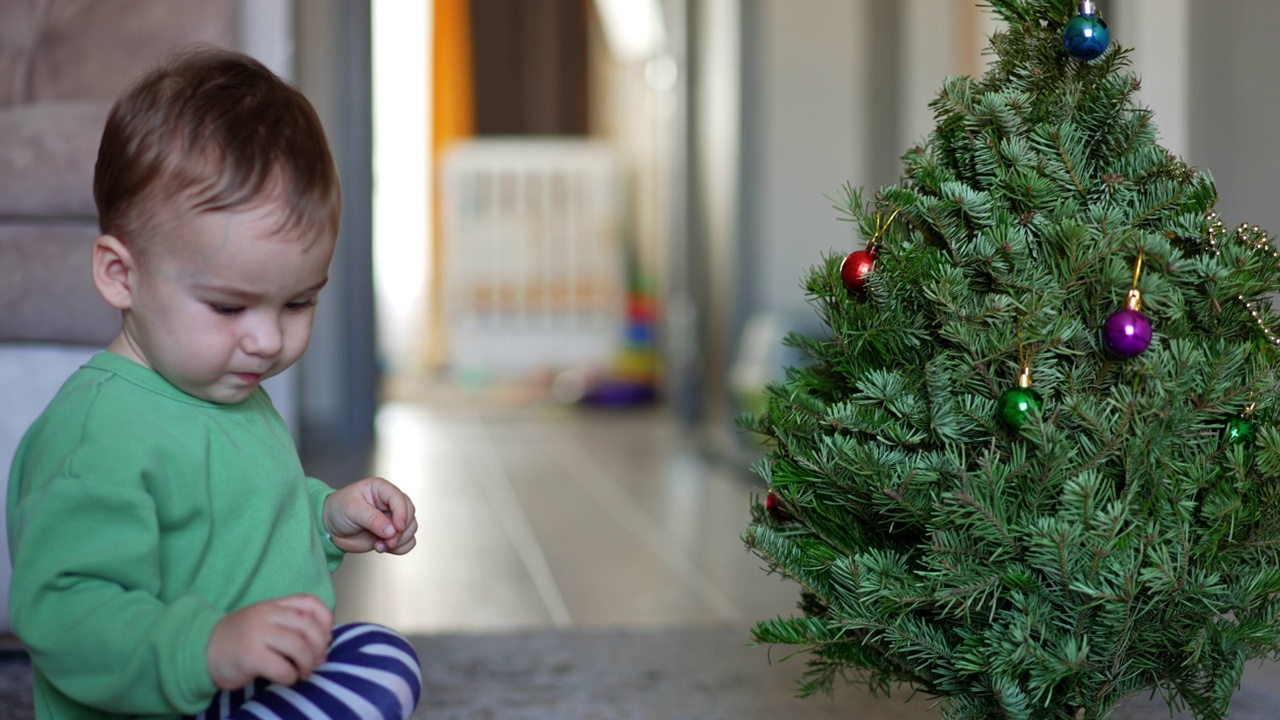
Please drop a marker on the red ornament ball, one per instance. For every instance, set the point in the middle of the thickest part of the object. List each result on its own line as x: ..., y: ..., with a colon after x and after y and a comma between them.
x: 854, y: 269
x: 774, y: 506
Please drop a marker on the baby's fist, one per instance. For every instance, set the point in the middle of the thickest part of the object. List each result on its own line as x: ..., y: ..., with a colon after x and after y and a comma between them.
x: 281, y: 640
x: 371, y: 514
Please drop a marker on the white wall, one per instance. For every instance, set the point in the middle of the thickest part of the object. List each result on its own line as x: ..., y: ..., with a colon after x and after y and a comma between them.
x: 266, y: 33
x: 1208, y: 73
x: 1233, y: 101
x: 831, y: 101
x: 809, y: 139
x: 1159, y: 33
x: 938, y: 38
x: 403, y: 190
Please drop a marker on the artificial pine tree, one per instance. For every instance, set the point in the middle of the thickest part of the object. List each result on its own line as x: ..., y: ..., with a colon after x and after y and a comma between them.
x: 1033, y: 466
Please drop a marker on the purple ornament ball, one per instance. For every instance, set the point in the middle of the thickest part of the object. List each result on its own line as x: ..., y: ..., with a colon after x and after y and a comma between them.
x: 1127, y: 333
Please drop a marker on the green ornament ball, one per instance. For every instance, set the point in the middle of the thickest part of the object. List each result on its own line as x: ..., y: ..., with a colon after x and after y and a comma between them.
x: 1016, y: 405
x: 1239, y: 431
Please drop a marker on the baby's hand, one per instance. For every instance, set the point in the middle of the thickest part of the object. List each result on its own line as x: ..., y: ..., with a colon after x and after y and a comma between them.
x: 357, y: 518
x: 281, y: 640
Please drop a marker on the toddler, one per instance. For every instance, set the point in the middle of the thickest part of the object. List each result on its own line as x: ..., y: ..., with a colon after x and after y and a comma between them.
x: 170, y: 558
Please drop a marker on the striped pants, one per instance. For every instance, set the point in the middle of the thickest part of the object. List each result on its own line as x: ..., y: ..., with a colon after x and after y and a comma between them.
x: 371, y: 674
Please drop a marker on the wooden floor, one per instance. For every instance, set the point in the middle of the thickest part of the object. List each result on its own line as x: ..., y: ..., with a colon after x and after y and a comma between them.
x: 540, y: 516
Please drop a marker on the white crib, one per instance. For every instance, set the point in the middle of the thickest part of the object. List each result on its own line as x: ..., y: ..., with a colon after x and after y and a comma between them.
x: 534, y: 268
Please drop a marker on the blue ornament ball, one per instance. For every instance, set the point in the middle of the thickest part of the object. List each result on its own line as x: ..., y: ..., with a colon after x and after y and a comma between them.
x: 1086, y: 37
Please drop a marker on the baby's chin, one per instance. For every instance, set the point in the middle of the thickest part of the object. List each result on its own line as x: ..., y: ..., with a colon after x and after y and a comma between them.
x: 220, y: 393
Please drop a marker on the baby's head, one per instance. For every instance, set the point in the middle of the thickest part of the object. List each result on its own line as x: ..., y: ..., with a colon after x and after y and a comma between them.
x: 213, y: 130
x: 218, y: 202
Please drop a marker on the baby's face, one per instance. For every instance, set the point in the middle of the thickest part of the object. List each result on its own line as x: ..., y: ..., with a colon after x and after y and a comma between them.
x: 223, y: 302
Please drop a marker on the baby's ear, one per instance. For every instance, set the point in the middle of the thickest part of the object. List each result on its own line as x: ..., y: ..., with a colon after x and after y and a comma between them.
x: 113, y: 272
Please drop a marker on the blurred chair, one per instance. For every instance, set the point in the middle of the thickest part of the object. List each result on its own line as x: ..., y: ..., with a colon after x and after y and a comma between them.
x: 62, y: 63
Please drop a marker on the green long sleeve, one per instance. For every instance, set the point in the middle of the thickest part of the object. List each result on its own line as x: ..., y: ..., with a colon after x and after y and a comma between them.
x: 138, y: 516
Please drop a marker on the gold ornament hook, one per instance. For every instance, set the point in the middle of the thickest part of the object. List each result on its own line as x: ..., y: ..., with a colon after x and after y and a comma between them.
x: 1134, y: 300
x: 1024, y: 377
x: 880, y: 228
x: 1024, y: 362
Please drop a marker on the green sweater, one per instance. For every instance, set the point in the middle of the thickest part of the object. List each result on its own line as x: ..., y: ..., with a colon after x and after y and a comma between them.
x: 138, y: 516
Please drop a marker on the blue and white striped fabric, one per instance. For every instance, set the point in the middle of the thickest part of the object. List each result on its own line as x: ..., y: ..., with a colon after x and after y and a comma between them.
x: 372, y: 674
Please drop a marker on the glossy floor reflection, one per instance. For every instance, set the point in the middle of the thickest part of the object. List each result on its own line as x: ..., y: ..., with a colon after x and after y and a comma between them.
x: 542, y: 516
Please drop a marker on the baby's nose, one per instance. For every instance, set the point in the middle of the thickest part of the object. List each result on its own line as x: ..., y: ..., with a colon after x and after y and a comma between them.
x: 263, y: 337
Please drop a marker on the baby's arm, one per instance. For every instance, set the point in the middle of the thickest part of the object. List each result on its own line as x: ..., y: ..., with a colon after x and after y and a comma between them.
x: 85, y: 600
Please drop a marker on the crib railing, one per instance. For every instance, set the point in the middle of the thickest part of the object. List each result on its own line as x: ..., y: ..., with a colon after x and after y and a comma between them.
x: 534, y: 269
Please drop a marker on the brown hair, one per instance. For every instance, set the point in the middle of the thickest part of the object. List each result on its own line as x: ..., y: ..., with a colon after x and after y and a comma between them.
x: 215, y: 130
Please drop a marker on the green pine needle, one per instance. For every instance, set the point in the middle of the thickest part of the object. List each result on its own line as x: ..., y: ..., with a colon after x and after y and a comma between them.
x: 1116, y: 542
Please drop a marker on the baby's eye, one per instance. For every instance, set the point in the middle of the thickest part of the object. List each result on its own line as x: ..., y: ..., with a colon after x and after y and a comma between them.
x: 300, y: 305
x: 227, y: 310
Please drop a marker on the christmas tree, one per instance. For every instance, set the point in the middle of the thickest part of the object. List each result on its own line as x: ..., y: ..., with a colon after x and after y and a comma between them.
x: 1033, y: 467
